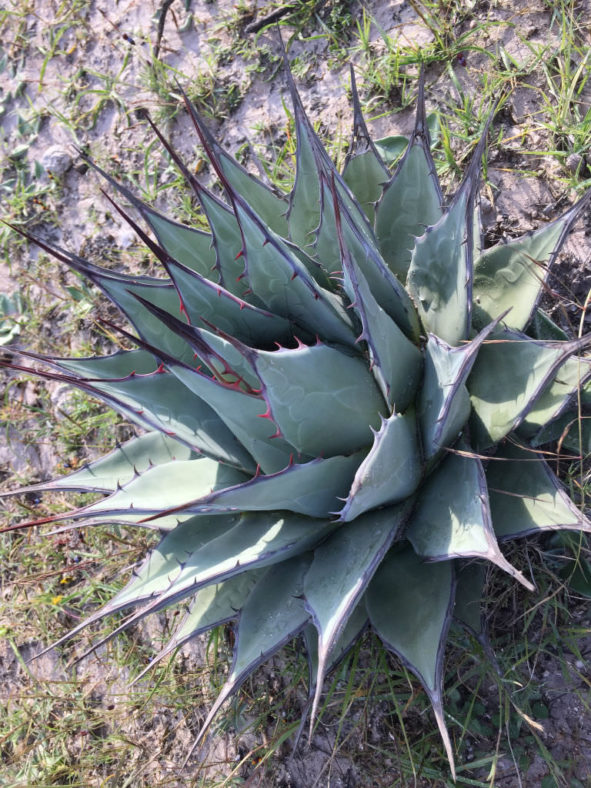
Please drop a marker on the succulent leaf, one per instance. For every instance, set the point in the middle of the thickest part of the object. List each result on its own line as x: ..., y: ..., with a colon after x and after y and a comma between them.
x: 213, y: 605
x: 153, y: 399
x: 511, y: 275
x: 158, y: 572
x: 283, y: 283
x: 120, y: 466
x: 444, y: 400
x: 572, y: 430
x: 304, y: 201
x: 273, y: 614
x: 509, y: 375
x: 453, y: 520
x: 222, y: 354
x: 409, y: 603
x: 161, y: 491
x: 204, y: 300
x: 412, y: 200
x: 391, y: 471
x: 356, y: 623
x: 441, y: 269
x: 477, y: 239
x: 270, y: 206
x: 440, y: 272
x: 190, y: 247
x: 239, y: 545
x: 315, y: 171
x: 245, y: 415
x: 336, y: 387
x: 193, y: 248
x: 121, y: 289
x: 227, y: 241
x: 340, y: 572
x: 203, y: 303
x: 543, y: 327
x: 470, y: 583
x: 526, y: 497
x: 469, y: 607
x: 385, y: 288
x: 160, y: 399
x: 557, y: 395
x: 166, y: 487
x: 395, y: 360
x: 364, y: 171
x: 312, y: 488
x: 126, y: 295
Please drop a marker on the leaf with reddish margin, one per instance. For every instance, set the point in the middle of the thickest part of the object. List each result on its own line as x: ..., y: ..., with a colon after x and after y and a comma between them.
x: 140, y: 396
x: 323, y: 400
x: 189, y: 246
x: 246, y: 415
x: 270, y: 206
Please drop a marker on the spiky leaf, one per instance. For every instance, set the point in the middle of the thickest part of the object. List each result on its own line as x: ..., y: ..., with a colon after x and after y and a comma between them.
x: 526, y: 497
x: 511, y: 275
x: 409, y: 604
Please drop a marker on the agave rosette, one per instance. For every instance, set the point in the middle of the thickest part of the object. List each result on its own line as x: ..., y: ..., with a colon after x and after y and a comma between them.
x: 343, y: 394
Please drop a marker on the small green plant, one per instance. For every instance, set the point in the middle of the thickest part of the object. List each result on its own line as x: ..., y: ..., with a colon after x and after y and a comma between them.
x: 344, y: 396
x: 388, y: 59
x: 11, y: 317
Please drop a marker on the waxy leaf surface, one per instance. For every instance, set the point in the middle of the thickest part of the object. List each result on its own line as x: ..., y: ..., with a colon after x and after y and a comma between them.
x: 341, y: 569
x: 337, y: 388
x: 452, y: 518
x: 409, y: 604
x: 526, y: 497
x: 391, y: 471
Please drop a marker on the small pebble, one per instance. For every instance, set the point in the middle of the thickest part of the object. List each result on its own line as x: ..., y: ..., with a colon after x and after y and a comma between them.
x: 573, y: 162
x: 126, y: 238
x: 56, y: 160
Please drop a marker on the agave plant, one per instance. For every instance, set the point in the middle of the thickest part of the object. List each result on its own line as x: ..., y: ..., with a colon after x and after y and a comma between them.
x: 343, y: 395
